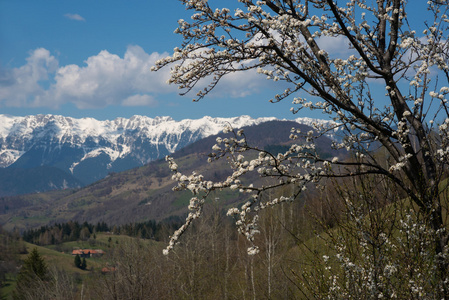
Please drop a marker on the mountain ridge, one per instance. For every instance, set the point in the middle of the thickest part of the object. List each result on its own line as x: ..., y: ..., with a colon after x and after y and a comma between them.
x: 90, y: 149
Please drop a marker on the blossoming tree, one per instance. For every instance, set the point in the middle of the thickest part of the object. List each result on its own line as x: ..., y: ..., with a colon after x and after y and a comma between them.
x: 287, y: 40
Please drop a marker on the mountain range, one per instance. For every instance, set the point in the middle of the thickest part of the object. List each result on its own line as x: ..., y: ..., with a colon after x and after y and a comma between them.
x: 44, y: 152
x: 145, y: 192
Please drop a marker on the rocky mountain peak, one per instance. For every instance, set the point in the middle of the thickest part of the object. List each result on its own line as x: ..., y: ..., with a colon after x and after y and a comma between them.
x: 89, y: 149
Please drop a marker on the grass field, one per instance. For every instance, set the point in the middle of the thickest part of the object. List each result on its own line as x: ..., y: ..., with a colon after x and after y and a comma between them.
x: 64, y: 260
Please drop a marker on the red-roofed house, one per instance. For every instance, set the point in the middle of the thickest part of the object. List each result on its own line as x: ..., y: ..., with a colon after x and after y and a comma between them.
x: 88, y: 252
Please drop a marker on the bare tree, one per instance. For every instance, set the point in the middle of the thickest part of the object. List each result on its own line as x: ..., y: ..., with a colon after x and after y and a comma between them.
x: 131, y: 274
x: 286, y: 41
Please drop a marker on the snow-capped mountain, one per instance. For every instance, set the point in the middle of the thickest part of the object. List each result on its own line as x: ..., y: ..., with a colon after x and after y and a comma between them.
x: 89, y: 149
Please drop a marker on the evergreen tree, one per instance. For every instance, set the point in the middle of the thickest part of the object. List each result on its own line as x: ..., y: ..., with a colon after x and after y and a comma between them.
x: 34, y: 265
x: 77, y: 261
x: 33, y: 271
x: 83, y: 264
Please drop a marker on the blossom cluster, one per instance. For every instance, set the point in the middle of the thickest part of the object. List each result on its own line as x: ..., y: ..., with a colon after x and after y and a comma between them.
x: 298, y: 166
x: 372, y: 260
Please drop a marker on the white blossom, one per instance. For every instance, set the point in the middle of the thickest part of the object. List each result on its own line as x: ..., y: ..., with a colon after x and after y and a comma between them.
x: 402, y: 136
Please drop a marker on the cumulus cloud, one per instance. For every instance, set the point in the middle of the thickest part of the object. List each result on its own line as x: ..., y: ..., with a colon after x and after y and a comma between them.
x: 104, y: 79
x: 139, y: 100
x: 75, y: 17
x: 20, y: 87
x: 107, y: 79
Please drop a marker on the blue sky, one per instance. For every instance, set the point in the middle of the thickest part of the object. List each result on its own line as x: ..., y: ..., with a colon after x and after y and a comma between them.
x: 81, y: 38
x: 65, y: 56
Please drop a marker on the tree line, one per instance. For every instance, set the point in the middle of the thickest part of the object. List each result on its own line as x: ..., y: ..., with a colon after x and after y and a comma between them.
x: 73, y: 231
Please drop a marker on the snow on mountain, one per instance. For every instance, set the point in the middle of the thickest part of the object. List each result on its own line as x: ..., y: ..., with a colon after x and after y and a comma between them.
x: 79, y: 146
x: 332, y: 133
x: 9, y: 156
x: 17, y: 134
x: 311, y: 122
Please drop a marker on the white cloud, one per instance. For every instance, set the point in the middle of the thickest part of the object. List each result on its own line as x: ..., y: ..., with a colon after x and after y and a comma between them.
x: 139, y: 100
x: 336, y: 46
x: 20, y: 87
x: 75, y: 17
x: 108, y: 79
x: 104, y: 79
